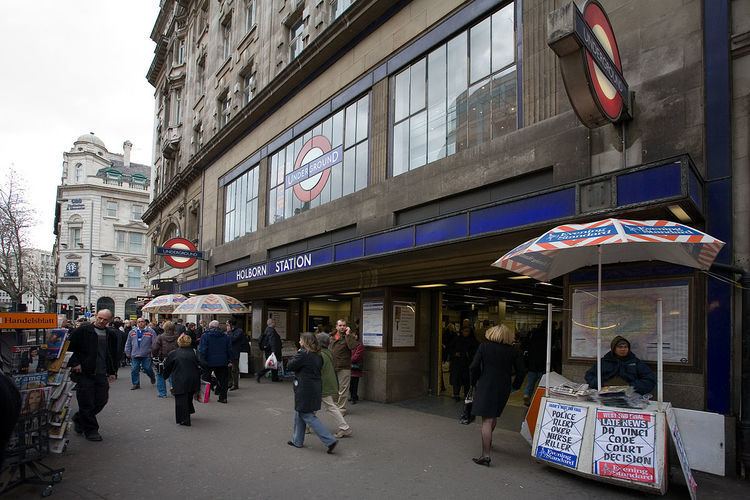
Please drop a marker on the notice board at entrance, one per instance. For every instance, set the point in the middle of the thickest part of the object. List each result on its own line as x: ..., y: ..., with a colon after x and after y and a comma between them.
x: 280, y: 318
x: 372, y: 323
x: 404, y: 324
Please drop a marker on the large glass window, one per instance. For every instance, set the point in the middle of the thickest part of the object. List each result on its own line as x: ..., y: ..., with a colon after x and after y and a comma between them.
x: 134, y: 276
x: 325, y: 163
x: 241, y: 205
x: 136, y: 243
x: 108, y: 274
x: 460, y: 95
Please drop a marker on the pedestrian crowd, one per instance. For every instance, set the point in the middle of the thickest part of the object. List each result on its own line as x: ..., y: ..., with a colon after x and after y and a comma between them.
x: 190, y: 357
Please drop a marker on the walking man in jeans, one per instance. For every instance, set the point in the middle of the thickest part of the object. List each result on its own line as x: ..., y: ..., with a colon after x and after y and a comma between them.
x: 343, y: 342
x: 94, y: 367
x: 138, y: 349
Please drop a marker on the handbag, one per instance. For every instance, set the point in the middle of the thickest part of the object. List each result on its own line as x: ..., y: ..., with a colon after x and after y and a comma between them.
x: 466, y: 416
x: 272, y: 363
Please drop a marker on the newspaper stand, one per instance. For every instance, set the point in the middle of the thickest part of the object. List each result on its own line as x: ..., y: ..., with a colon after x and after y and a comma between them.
x: 30, y: 442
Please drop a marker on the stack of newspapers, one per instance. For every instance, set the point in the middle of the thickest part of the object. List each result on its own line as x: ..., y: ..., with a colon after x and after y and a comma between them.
x: 621, y: 396
x: 571, y: 391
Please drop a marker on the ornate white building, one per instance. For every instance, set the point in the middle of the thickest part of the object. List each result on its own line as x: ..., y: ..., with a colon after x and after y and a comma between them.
x: 100, y: 245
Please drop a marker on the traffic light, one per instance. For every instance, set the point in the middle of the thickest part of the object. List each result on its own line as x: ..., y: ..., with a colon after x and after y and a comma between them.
x: 63, y: 308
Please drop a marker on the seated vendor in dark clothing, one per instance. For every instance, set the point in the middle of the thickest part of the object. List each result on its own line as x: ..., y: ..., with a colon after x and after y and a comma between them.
x: 621, y: 367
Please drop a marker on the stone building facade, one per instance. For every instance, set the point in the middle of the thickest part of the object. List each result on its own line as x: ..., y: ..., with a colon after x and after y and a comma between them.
x: 100, y: 240
x: 332, y: 159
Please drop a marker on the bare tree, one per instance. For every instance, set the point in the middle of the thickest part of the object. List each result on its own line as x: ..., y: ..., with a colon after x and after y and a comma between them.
x: 16, y: 220
x: 40, y: 284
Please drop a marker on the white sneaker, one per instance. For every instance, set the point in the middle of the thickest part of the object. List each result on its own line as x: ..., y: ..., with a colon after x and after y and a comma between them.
x: 343, y: 433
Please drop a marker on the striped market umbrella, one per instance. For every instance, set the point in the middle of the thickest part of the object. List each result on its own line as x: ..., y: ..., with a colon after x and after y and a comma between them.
x: 212, y: 303
x: 571, y: 246
x: 164, y: 304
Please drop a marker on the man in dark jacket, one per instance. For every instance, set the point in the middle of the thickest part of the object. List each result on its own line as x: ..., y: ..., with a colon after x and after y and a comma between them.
x: 216, y: 352
x: 536, y: 357
x: 239, y: 345
x: 94, y: 365
x: 270, y: 343
x: 621, y: 367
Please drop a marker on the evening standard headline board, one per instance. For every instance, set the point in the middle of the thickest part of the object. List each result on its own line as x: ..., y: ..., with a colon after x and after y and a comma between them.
x: 624, y: 442
x: 561, y: 433
x: 625, y: 445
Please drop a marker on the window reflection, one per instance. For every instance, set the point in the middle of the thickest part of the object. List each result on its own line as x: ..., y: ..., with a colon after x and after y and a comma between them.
x: 340, y: 142
x: 461, y: 95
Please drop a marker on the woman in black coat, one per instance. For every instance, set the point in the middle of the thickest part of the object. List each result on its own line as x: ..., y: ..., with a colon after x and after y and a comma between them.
x: 492, y: 369
x: 308, y: 392
x: 182, y: 365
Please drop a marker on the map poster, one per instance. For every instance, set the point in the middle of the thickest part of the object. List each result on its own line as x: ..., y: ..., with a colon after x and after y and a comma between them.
x: 561, y: 433
x: 372, y: 323
x: 404, y: 324
x: 630, y: 310
x: 624, y: 445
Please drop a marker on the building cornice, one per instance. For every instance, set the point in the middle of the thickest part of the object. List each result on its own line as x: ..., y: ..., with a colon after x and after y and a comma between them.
x: 322, y: 52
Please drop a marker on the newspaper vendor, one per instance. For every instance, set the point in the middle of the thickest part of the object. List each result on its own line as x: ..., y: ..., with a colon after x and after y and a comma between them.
x: 621, y: 367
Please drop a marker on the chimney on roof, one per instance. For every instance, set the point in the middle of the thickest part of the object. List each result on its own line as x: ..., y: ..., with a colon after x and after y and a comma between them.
x: 126, y: 147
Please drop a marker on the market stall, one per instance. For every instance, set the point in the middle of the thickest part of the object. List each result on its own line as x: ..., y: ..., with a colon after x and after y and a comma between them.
x: 581, y: 430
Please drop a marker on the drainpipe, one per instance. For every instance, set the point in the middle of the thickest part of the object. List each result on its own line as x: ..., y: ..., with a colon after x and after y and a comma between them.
x: 744, y: 428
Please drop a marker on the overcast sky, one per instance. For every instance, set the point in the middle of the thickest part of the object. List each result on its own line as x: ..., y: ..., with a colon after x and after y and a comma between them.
x: 70, y: 67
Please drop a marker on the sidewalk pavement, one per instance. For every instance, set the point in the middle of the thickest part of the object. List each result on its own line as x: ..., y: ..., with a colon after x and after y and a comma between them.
x: 239, y: 450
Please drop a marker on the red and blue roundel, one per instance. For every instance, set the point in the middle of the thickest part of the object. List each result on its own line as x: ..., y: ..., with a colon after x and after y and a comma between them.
x: 312, y: 168
x: 609, y: 100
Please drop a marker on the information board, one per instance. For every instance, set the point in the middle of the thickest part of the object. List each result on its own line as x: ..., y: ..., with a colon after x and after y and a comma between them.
x: 624, y: 443
x: 280, y: 318
x: 372, y: 323
x: 561, y: 433
x: 404, y: 324
x: 630, y: 310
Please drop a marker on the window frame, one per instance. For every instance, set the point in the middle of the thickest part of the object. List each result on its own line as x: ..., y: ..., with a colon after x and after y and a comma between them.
x: 296, y: 41
x: 134, y: 275
x: 105, y: 276
x: 250, y: 7
x: 108, y: 209
x: 237, y: 219
x: 225, y: 109
x: 226, y: 37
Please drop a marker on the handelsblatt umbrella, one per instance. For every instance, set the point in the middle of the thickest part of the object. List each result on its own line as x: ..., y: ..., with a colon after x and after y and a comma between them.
x: 212, y: 303
x: 164, y: 304
x: 571, y: 246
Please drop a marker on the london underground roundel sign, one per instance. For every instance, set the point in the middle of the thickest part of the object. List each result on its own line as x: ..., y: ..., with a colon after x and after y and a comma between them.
x: 590, y: 63
x: 312, y: 167
x: 177, y: 247
x: 610, y: 101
